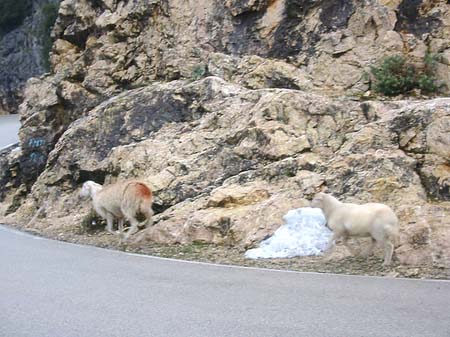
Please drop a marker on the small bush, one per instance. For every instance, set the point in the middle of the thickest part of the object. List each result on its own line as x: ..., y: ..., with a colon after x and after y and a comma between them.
x: 396, y: 76
x: 427, y: 84
x: 12, y: 14
x: 427, y: 81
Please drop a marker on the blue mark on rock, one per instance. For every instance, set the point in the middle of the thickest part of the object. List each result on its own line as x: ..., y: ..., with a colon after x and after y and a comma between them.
x: 35, y: 142
x: 35, y: 145
x: 38, y: 158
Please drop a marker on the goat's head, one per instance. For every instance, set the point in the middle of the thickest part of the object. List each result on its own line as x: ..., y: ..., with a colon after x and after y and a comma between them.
x: 88, y: 189
x: 318, y: 200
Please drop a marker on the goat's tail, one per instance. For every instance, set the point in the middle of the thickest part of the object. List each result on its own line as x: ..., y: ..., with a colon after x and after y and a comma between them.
x: 145, y: 208
x: 139, y: 197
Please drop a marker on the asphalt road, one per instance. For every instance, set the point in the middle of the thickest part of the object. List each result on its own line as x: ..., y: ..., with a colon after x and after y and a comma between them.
x: 9, y: 127
x: 50, y: 288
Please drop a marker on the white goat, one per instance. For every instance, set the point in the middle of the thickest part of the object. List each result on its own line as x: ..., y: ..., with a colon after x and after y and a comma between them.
x: 123, y: 201
x: 375, y: 220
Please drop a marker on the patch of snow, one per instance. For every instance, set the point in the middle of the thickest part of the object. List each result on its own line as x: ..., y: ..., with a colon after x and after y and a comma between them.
x: 304, y: 233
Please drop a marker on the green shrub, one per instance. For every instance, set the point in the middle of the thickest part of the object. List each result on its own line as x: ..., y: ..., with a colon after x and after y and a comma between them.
x: 394, y: 76
x: 49, y: 15
x: 12, y: 14
x: 397, y: 76
x: 427, y: 81
x: 427, y: 84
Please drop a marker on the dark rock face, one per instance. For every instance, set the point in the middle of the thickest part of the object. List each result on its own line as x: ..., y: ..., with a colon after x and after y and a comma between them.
x: 13, y: 12
x: 411, y: 20
x: 293, y: 38
x: 436, y: 191
x: 289, y: 39
x: 335, y: 14
x: 289, y: 36
x: 239, y: 7
x: 244, y: 38
x: 21, y: 58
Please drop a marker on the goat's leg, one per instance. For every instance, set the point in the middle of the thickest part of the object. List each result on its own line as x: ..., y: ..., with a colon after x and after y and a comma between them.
x: 336, y: 235
x: 120, y: 225
x: 133, y: 228
x: 110, y: 223
x: 346, y: 244
x: 369, y: 250
x: 388, y: 251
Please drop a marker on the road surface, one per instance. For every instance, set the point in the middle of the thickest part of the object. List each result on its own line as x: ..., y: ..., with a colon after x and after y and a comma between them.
x: 56, y: 289
x: 9, y: 127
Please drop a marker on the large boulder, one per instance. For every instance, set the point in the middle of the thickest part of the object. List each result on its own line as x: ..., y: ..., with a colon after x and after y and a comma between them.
x: 227, y: 162
x: 102, y: 48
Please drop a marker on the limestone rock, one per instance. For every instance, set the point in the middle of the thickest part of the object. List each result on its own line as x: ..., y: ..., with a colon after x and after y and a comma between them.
x: 108, y: 46
x: 232, y: 196
x: 227, y: 162
x: 235, y: 112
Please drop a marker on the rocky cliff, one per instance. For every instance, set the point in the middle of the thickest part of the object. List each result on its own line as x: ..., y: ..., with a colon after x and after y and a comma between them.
x: 235, y: 112
x: 22, y: 55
